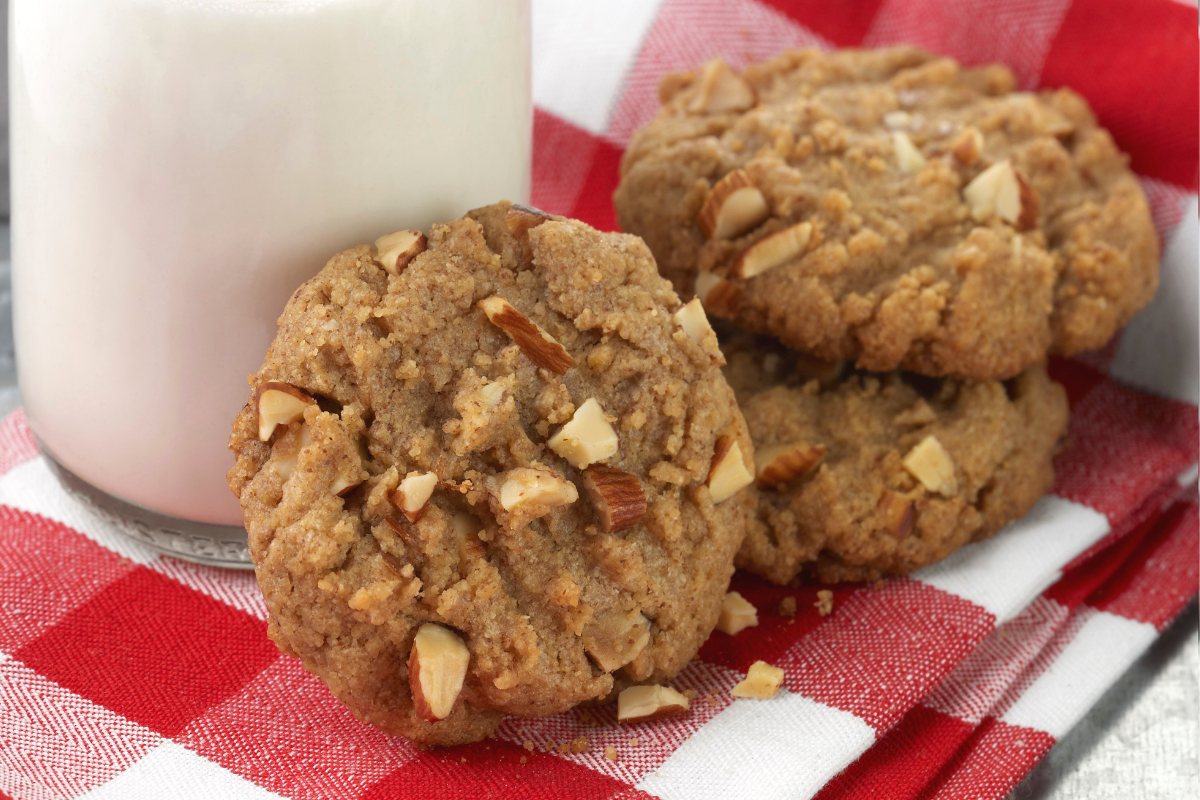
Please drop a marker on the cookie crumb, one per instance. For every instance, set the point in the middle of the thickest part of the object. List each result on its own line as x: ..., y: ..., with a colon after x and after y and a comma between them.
x: 464, y: 760
x: 824, y: 602
x: 610, y: 752
x: 528, y: 745
x: 712, y: 701
x: 565, y: 747
x: 550, y: 745
x: 690, y: 694
x: 580, y: 745
x: 878, y: 585
x: 524, y: 760
x: 634, y: 742
x: 787, y: 607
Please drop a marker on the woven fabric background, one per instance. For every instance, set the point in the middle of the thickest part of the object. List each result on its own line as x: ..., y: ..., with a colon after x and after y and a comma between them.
x: 126, y: 674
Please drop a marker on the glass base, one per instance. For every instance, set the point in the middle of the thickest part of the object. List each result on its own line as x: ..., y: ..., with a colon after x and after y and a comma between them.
x: 201, y: 542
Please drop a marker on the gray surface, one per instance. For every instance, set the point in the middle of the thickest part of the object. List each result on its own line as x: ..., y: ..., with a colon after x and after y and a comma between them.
x: 1141, y: 740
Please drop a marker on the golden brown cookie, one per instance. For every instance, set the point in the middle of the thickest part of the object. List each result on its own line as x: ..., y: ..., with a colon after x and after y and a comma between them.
x: 893, y: 208
x: 873, y: 475
x: 475, y: 470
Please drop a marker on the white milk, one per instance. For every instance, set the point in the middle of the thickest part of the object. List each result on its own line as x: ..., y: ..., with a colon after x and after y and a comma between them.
x: 179, y: 168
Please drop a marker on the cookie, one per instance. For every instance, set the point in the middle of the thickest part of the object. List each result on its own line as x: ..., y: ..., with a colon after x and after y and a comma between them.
x: 491, y: 471
x: 892, y: 208
x: 871, y: 475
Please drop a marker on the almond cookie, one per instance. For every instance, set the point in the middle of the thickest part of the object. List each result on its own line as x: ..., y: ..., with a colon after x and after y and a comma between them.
x: 893, y: 208
x: 867, y: 475
x: 491, y: 471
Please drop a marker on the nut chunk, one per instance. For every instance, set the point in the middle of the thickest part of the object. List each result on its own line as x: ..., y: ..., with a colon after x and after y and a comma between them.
x: 778, y: 248
x: 734, y: 206
x: 1001, y: 190
x: 695, y: 324
x: 784, y: 463
x: 587, y: 438
x: 541, y: 348
x: 279, y: 404
x: 762, y: 681
x: 737, y: 614
x: 728, y: 474
x: 396, y: 249
x: 932, y: 466
x: 648, y: 703
x: 616, y: 640
x: 527, y: 494
x: 413, y: 493
x: 721, y: 90
x: 437, y: 667
x: 617, y: 496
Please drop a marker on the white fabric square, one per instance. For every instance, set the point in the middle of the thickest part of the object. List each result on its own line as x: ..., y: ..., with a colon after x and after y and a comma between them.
x: 785, y: 747
x: 172, y: 771
x: 581, y: 52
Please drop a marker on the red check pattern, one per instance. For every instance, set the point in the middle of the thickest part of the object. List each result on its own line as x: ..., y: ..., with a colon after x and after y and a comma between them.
x: 127, y: 674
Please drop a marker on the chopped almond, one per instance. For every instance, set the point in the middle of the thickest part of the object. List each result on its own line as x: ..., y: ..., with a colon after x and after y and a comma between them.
x: 908, y: 156
x: 616, y: 639
x: 737, y: 614
x: 733, y: 206
x: 520, y: 219
x: 782, y: 464
x: 648, y: 703
x: 720, y: 90
x: 396, y: 249
x: 898, y: 514
x: 279, y: 403
x: 587, y: 438
x: 774, y: 250
x: 541, y: 348
x: 761, y: 683
x: 719, y: 296
x: 824, y: 602
x: 1002, y: 191
x: 413, y: 493
x: 931, y: 464
x: 967, y: 148
x: 695, y: 324
x: 617, y: 496
x: 728, y: 474
x: 437, y: 667
x: 525, y: 489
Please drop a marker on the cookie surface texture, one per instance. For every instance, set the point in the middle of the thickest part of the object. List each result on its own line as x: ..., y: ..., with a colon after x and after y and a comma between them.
x: 507, y: 449
x: 892, y: 208
x: 888, y: 473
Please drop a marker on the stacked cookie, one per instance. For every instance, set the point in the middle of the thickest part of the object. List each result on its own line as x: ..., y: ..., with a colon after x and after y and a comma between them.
x: 505, y: 467
x: 879, y: 211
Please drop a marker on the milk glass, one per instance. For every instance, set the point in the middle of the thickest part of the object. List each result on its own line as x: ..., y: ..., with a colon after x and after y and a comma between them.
x: 179, y: 167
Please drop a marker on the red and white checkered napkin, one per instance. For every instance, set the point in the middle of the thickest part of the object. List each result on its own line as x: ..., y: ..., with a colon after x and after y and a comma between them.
x: 124, y: 674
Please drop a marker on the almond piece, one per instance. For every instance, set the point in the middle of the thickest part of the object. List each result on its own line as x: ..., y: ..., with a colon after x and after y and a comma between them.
x: 520, y: 219
x: 437, y: 667
x: 782, y: 464
x: 279, y: 403
x: 717, y: 295
x: 541, y: 348
x: 897, y: 120
x: 728, y: 474
x: 967, y: 146
x: 898, y: 514
x: 588, y: 437
x: 413, y: 493
x: 737, y: 614
x: 695, y: 324
x: 1001, y: 190
x: 525, y: 490
x: 648, y: 703
x: 929, y: 463
x: 733, y: 206
x: 762, y: 682
x: 778, y: 248
x: 908, y: 156
x: 617, y: 496
x: 467, y: 527
x: 287, y: 465
x: 396, y: 249
x: 617, y: 639
x: 720, y: 90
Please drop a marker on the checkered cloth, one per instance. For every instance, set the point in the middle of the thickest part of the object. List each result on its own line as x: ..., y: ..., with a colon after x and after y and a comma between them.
x: 125, y: 674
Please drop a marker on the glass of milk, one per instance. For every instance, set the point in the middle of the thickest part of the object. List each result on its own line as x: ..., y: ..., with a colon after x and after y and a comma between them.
x: 180, y: 167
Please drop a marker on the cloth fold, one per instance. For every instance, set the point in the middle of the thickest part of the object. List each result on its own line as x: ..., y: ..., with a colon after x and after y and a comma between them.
x: 125, y: 673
